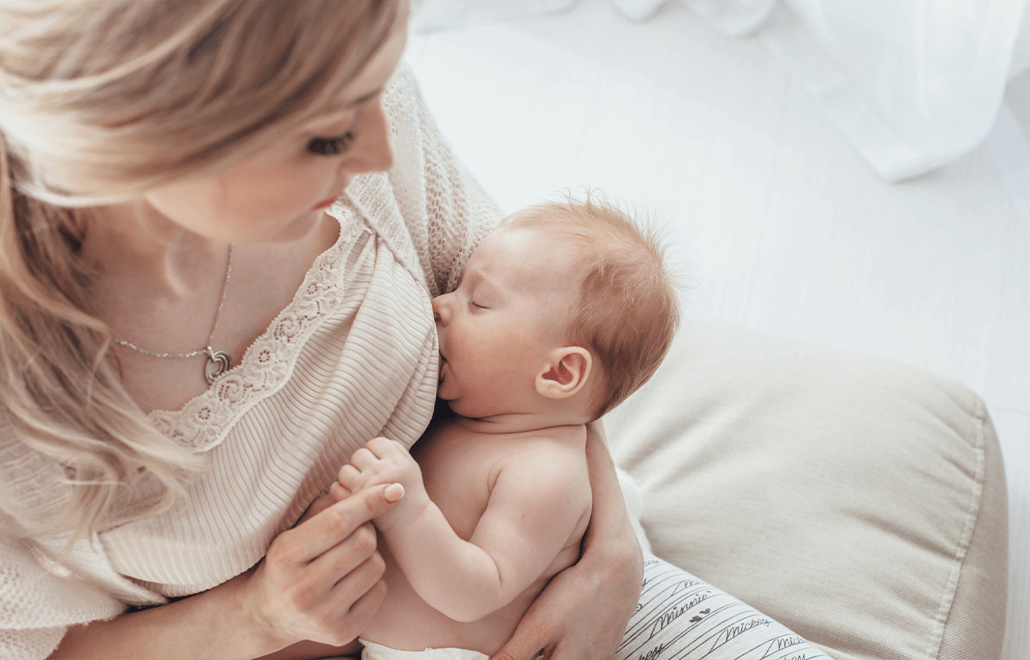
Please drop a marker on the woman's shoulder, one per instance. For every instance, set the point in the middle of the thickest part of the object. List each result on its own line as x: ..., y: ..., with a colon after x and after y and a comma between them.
x: 442, y: 209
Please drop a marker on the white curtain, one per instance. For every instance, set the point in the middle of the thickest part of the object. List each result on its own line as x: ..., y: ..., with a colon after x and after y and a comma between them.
x: 911, y: 84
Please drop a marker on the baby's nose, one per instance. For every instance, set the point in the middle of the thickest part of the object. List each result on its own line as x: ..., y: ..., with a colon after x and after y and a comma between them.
x: 440, y: 309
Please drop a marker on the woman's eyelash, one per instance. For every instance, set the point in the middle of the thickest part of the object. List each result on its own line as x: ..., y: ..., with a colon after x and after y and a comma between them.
x: 331, y: 146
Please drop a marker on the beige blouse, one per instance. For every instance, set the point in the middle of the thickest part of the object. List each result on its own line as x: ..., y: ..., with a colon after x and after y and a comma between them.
x: 353, y: 356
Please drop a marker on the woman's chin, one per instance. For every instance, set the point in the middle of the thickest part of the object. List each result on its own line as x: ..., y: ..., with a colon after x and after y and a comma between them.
x: 298, y: 228
x: 304, y: 225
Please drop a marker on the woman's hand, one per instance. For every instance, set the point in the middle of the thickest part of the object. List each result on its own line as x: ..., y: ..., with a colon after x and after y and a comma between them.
x: 583, y: 612
x: 319, y: 581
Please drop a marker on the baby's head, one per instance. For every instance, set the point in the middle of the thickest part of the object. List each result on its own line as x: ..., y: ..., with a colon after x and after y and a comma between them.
x: 568, y: 306
x: 625, y: 310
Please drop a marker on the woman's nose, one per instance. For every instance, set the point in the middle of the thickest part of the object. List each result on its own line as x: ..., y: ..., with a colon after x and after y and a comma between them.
x: 376, y: 154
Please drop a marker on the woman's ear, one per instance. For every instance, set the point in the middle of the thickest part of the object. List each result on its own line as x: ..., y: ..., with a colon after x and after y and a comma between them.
x: 566, y: 372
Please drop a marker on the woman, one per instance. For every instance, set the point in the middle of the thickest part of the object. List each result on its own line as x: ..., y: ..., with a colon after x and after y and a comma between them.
x: 191, y: 346
x: 166, y: 171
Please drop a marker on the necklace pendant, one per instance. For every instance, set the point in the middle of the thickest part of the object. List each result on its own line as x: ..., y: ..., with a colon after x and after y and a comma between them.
x: 218, y: 363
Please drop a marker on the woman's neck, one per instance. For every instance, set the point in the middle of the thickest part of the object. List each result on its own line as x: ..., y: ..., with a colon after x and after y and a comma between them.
x: 135, y: 244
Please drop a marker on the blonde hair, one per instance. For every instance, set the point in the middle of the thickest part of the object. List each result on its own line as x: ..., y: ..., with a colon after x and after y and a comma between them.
x: 101, y: 100
x: 628, y: 309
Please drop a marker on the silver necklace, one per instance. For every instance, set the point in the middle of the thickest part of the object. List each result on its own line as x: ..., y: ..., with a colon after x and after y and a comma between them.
x: 218, y: 362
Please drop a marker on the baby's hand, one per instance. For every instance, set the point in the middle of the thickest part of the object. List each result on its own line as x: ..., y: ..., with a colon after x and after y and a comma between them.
x: 384, y: 461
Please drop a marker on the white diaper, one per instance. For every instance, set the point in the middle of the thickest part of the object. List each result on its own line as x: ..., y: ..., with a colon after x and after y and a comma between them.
x: 373, y: 651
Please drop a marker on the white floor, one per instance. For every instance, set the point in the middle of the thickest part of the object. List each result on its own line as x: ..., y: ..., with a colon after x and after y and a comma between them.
x: 779, y: 226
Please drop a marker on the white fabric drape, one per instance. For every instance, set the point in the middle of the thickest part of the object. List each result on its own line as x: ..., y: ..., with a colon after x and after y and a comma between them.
x: 911, y: 84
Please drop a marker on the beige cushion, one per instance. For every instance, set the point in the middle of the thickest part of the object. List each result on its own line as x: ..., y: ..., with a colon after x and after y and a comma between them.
x: 859, y: 501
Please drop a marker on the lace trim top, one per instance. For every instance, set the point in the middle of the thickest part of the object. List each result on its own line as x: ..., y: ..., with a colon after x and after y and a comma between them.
x: 204, y: 421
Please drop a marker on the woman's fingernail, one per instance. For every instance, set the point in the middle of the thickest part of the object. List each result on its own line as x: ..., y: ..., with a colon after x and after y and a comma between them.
x: 394, y: 492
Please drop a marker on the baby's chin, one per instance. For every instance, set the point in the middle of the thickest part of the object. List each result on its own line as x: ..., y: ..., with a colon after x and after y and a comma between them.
x: 454, y: 401
x: 441, y: 385
x: 440, y: 364
x: 471, y: 408
x: 441, y: 374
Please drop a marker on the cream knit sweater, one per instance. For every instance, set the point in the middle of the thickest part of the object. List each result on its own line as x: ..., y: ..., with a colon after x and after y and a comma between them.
x: 353, y: 356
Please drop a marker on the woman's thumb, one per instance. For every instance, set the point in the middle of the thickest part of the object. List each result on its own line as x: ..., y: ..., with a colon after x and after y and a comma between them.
x: 377, y: 500
x: 526, y: 643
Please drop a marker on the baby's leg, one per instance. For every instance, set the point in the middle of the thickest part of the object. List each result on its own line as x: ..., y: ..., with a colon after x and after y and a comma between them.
x: 680, y: 617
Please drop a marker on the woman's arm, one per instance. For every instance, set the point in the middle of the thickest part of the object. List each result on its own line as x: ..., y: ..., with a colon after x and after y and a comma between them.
x: 319, y: 581
x: 582, y: 613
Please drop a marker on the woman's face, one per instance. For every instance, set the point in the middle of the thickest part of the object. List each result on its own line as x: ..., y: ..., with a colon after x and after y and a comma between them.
x: 279, y: 192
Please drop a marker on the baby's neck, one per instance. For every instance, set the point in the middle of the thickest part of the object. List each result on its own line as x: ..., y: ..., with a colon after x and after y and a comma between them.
x: 517, y: 422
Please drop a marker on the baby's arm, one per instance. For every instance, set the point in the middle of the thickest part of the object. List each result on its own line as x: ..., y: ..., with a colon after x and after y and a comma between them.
x: 533, y: 510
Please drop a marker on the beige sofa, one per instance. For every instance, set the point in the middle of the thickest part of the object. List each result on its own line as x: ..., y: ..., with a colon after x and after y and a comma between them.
x: 859, y: 501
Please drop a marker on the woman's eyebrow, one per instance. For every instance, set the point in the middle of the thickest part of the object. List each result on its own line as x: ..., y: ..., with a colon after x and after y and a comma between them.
x: 342, y: 109
x: 361, y: 99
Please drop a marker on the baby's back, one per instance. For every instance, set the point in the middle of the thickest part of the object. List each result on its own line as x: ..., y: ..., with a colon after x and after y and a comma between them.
x: 460, y: 467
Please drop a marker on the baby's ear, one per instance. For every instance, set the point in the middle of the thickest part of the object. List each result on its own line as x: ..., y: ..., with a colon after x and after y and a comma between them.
x: 566, y: 372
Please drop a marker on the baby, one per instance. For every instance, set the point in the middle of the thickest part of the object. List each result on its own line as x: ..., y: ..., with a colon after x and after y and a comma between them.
x: 561, y: 313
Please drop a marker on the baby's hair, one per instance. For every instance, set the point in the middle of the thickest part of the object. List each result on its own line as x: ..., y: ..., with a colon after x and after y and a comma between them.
x: 628, y: 311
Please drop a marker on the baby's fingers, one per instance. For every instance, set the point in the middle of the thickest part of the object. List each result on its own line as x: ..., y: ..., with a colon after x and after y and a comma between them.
x: 339, y: 492
x: 350, y: 478
x: 385, y: 448
x: 363, y: 459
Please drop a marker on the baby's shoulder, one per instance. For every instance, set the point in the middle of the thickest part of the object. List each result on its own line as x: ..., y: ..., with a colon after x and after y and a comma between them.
x: 556, y: 455
x: 544, y: 471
